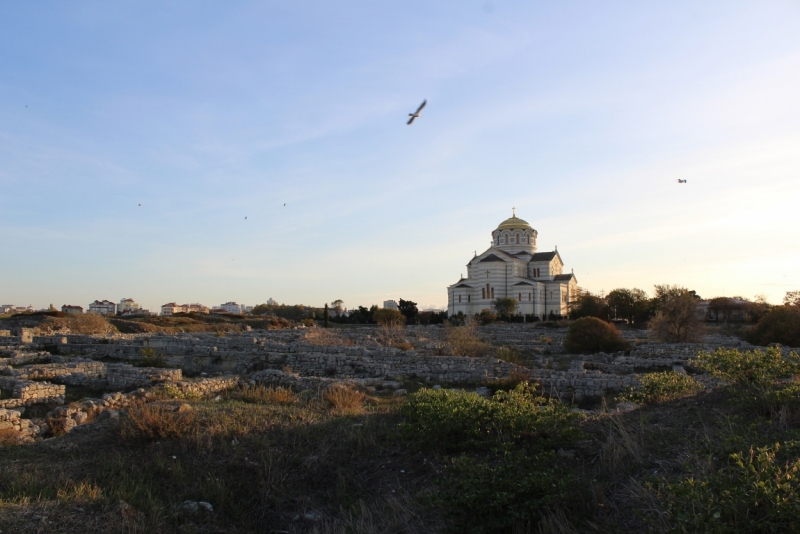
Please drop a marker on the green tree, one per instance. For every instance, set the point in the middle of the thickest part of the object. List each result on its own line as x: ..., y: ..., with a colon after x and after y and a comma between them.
x: 337, y: 306
x: 325, y: 316
x: 630, y: 304
x: 676, y: 319
x: 505, y: 306
x: 779, y: 325
x: 792, y: 298
x: 665, y: 292
x: 409, y: 310
x: 588, y: 304
x: 389, y: 317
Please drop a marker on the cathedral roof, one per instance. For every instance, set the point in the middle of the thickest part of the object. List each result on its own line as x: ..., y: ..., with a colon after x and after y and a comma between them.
x: 514, y: 223
x: 563, y: 276
x: 543, y: 256
x: 523, y: 283
x: 492, y: 257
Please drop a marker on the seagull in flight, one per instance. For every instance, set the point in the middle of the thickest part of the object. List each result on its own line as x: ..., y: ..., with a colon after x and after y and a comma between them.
x: 245, y: 217
x: 681, y: 181
x: 417, y: 113
x: 140, y: 205
x: 284, y: 203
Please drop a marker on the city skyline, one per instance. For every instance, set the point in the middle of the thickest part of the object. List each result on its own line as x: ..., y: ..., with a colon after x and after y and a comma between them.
x: 135, y: 139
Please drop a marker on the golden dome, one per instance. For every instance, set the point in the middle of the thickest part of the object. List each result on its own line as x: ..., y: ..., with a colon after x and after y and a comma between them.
x: 514, y: 223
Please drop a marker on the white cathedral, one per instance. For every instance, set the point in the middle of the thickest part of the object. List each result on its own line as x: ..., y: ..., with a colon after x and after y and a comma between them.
x: 511, y: 267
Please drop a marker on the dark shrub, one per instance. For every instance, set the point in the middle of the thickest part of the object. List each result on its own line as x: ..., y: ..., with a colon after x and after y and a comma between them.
x: 590, y: 334
x: 780, y: 325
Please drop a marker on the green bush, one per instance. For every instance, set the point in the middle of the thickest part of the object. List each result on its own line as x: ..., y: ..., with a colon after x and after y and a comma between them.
x: 590, y: 334
x: 506, y: 474
x: 508, y: 493
x: 508, y: 354
x: 661, y: 387
x: 754, y: 493
x: 748, y: 368
x: 486, y: 317
x: 150, y: 358
x: 457, y: 420
x: 780, y: 325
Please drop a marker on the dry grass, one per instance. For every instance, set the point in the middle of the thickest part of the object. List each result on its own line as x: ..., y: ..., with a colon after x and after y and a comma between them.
x: 79, y: 492
x: 392, y: 336
x: 88, y: 323
x: 394, y: 515
x: 623, y: 449
x: 326, y: 337
x: 464, y: 341
x: 157, y: 421
x: 265, y: 395
x: 344, y: 398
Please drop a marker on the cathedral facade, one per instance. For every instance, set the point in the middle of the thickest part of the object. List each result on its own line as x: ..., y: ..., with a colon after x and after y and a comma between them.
x: 512, y: 267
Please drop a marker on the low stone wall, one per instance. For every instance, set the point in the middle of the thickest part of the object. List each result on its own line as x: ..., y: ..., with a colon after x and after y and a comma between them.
x: 297, y: 383
x: 76, y: 373
x: 12, y: 425
x: 22, y: 357
x: 207, y: 386
x: 578, y: 383
x: 27, y: 392
x: 66, y: 418
x: 123, y: 375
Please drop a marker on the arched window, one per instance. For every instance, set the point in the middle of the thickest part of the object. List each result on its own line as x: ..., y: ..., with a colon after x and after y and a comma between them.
x: 520, y: 297
x: 459, y: 298
x: 529, y: 297
x: 483, y: 293
x: 469, y: 298
x: 516, y: 239
x: 492, y: 292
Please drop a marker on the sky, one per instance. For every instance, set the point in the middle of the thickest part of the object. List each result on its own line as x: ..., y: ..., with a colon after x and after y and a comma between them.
x: 239, y: 151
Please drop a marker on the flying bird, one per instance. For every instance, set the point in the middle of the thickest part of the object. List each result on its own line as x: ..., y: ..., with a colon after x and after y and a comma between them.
x: 681, y: 181
x: 140, y: 205
x: 284, y: 203
x: 417, y: 113
x: 245, y: 217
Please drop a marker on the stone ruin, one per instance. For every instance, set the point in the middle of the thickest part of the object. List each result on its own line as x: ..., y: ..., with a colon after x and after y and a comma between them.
x: 122, y: 371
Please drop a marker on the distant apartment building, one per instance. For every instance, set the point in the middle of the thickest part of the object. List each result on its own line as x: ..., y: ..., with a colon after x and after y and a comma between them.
x: 172, y: 308
x: 11, y: 308
x: 272, y: 302
x: 103, y: 307
x: 195, y: 308
x: 127, y: 306
x: 390, y: 304
x: 67, y: 308
x: 232, y: 307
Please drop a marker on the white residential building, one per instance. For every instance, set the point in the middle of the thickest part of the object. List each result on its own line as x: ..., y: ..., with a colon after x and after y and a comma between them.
x: 66, y: 308
x: 103, y: 307
x: 512, y: 268
x: 172, y: 308
x: 194, y: 308
x: 127, y: 305
x: 231, y: 307
x: 390, y: 304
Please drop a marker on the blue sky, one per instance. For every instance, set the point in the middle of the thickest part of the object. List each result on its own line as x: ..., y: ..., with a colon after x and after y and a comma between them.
x: 583, y: 115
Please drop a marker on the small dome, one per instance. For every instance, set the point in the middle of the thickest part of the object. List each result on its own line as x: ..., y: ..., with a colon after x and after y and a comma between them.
x: 514, y: 223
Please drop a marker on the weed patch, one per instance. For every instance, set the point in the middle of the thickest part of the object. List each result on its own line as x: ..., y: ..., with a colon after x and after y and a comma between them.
x: 344, y: 398
x: 157, y: 420
x: 661, y: 387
